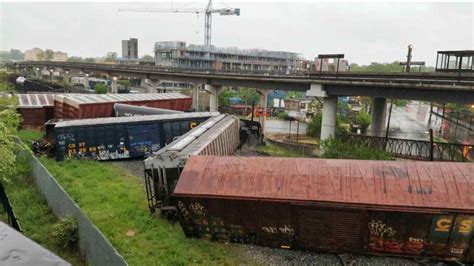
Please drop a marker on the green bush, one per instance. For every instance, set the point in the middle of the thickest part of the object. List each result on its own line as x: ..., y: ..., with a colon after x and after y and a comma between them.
x: 313, y: 129
x: 363, y: 119
x: 65, y: 233
x: 338, y: 149
x: 283, y: 115
x: 101, y: 88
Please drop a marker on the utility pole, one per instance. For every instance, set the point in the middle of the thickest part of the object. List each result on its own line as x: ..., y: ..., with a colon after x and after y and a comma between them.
x: 410, y: 48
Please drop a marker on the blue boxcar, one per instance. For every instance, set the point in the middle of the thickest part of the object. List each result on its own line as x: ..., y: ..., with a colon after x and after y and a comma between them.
x: 121, y: 137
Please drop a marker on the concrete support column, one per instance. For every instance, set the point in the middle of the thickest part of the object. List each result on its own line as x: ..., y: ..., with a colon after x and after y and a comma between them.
x: 378, y: 110
x: 213, y: 96
x: 113, y: 86
x: 195, y: 96
x: 86, y: 81
x: 328, y: 124
x: 263, y: 104
x: 150, y: 85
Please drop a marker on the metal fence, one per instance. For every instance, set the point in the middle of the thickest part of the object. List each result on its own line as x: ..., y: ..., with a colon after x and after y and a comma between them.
x: 92, y: 243
x: 416, y: 149
x: 7, y: 207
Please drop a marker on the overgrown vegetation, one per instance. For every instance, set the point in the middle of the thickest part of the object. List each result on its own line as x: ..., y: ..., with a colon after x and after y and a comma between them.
x: 313, y: 129
x: 65, y: 233
x: 116, y: 202
x: 29, y: 135
x: 338, y: 149
x: 9, y: 122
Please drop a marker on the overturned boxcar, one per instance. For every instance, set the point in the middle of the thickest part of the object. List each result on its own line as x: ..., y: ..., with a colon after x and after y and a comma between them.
x: 219, y: 135
x: 421, y: 209
x: 121, y: 137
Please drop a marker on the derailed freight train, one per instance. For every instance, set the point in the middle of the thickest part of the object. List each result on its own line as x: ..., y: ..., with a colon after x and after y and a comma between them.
x: 121, y: 137
x: 219, y: 135
x: 418, y: 209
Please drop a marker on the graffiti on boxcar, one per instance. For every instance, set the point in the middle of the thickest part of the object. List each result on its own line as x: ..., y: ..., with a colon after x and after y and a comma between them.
x: 412, y: 246
x: 182, y: 210
x: 197, y: 209
x: 284, y: 230
x: 66, y: 137
x: 379, y: 229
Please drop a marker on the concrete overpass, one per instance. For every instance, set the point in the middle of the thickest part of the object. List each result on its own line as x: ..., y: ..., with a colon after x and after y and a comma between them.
x: 436, y: 87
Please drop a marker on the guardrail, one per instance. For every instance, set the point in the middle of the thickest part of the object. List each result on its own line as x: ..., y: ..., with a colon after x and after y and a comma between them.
x: 414, y: 149
x: 7, y: 206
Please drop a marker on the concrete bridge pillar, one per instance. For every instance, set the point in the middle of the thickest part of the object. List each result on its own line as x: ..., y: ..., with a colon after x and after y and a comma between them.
x: 195, y: 96
x: 328, y: 123
x: 86, y: 81
x: 113, y: 86
x: 378, y: 110
x: 213, y: 96
x: 263, y: 104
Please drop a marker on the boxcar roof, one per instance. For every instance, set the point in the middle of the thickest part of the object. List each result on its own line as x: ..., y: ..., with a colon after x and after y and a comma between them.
x: 128, y: 119
x: 395, y: 185
x: 79, y: 99
x: 16, y: 249
x: 39, y: 100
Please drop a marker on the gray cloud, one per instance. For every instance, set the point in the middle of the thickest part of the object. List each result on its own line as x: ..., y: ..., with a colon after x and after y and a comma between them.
x: 365, y: 32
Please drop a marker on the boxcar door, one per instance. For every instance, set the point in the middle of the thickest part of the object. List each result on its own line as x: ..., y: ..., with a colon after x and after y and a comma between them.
x: 330, y: 229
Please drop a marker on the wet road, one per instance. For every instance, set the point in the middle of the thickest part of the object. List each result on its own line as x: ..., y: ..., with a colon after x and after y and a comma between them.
x: 408, y: 122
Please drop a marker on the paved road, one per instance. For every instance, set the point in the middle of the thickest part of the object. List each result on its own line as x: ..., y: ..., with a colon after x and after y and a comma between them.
x: 408, y: 122
x: 280, y: 126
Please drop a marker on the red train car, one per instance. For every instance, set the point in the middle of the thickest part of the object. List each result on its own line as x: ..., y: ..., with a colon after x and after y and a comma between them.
x: 35, y: 109
x: 422, y: 209
x: 81, y: 106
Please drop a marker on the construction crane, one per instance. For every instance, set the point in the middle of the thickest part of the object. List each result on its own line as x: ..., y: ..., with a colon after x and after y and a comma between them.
x: 207, y: 20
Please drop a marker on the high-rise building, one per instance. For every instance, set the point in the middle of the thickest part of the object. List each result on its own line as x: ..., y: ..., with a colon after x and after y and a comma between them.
x: 130, y: 48
x: 176, y: 54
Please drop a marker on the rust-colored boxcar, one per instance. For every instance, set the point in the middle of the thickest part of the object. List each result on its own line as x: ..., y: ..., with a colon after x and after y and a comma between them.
x: 35, y: 109
x: 423, y: 209
x: 81, y: 106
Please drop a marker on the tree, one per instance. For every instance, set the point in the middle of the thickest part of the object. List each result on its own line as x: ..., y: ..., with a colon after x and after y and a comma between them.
x: 111, y: 57
x: 124, y: 82
x: 225, y: 96
x: 100, y: 88
x: 363, y: 119
x: 400, y: 102
x: 294, y: 95
x: 89, y: 60
x: 9, y: 122
x: 75, y: 59
x: 48, y: 55
x: 147, y: 58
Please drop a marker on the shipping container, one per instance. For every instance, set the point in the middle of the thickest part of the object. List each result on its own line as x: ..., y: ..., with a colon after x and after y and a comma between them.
x: 121, y: 137
x: 219, y: 135
x: 35, y: 109
x: 81, y: 106
x: 421, y: 209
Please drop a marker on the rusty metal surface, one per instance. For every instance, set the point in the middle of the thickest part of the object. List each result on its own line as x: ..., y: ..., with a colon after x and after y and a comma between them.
x: 383, y: 184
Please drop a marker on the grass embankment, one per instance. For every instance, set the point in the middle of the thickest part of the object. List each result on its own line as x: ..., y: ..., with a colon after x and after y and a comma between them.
x: 31, y: 209
x: 29, y: 135
x: 116, y: 202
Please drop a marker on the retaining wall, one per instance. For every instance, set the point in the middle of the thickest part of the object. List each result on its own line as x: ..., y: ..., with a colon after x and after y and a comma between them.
x: 92, y: 243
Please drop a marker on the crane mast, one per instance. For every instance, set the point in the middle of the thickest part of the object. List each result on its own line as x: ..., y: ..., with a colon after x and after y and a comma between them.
x: 207, y: 18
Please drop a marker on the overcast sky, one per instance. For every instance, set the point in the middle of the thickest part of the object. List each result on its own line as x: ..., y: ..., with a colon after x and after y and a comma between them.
x: 364, y: 32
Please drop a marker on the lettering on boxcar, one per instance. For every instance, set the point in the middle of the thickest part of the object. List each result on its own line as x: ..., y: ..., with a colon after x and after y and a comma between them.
x: 443, y: 225
x: 466, y: 226
x: 193, y: 124
x: 421, y: 191
x: 285, y: 230
x: 378, y: 228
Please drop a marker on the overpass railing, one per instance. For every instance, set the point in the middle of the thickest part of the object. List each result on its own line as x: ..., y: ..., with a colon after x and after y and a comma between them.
x: 414, y: 149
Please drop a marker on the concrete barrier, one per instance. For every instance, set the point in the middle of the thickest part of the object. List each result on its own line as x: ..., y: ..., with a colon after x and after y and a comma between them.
x: 92, y: 243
